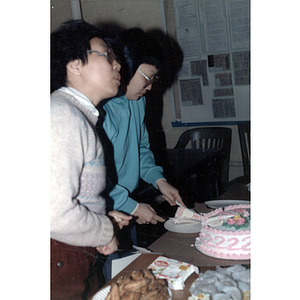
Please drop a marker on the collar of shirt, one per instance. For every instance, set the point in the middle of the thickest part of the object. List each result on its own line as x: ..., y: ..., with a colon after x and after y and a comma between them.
x: 82, y: 99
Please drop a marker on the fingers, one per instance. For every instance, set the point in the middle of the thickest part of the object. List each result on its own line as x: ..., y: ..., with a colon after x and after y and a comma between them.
x: 153, y: 219
x: 100, y: 249
x: 152, y: 209
x: 110, y: 248
x: 118, y: 214
x: 146, y: 214
x: 170, y: 193
x: 120, y: 218
x: 157, y: 218
x: 141, y: 221
x: 174, y: 200
x: 123, y: 223
x: 181, y: 202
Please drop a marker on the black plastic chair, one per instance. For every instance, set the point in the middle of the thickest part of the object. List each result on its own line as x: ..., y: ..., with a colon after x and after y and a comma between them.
x: 212, y: 178
x: 245, y: 144
x: 244, y: 134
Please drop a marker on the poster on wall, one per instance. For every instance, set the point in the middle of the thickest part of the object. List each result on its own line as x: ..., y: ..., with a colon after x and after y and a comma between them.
x: 213, y: 84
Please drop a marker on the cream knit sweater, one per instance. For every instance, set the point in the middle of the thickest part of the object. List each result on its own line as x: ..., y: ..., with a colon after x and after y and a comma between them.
x: 77, y: 175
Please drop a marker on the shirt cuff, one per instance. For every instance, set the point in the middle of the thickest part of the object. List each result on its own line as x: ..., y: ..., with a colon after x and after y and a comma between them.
x: 158, y: 181
x: 135, y: 209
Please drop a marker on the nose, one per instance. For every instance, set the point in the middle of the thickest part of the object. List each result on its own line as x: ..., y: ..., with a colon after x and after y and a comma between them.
x: 148, y: 87
x: 116, y: 66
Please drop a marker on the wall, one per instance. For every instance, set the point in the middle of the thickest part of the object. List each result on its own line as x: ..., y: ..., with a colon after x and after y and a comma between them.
x: 146, y: 15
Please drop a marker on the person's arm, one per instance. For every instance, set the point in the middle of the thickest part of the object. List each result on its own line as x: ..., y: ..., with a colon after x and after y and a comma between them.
x: 110, y: 248
x: 143, y: 212
x: 118, y: 198
x: 149, y: 171
x: 71, y: 221
x: 152, y: 173
x: 169, y: 192
x: 146, y: 214
x: 120, y: 220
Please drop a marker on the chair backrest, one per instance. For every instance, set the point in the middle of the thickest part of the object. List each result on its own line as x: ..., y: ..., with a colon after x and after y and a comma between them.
x: 244, y: 134
x: 213, y: 138
x: 206, y: 138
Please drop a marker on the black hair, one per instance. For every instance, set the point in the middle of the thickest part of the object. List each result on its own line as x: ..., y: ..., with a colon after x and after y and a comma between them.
x: 69, y: 42
x: 134, y: 47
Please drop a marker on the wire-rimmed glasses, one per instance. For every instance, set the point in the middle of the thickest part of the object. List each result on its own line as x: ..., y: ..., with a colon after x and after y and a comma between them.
x: 110, y: 56
x: 151, y: 80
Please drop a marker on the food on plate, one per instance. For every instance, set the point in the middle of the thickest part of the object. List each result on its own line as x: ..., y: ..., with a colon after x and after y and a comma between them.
x: 222, y: 283
x: 226, y: 233
x: 200, y: 296
x: 139, y: 285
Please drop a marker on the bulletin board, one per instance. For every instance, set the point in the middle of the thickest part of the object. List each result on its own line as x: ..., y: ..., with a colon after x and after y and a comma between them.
x: 213, y: 85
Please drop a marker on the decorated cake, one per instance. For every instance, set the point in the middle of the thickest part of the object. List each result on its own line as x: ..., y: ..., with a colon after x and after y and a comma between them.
x: 226, y: 233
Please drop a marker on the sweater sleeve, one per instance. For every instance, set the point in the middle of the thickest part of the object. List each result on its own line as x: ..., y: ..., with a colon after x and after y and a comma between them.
x: 149, y: 171
x: 72, y: 222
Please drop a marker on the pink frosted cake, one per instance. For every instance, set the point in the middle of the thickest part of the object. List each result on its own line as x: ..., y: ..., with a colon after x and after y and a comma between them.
x: 226, y: 233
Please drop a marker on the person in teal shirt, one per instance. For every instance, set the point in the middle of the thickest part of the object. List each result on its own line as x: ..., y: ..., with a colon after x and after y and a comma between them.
x: 126, y: 141
x: 124, y: 134
x: 141, y: 57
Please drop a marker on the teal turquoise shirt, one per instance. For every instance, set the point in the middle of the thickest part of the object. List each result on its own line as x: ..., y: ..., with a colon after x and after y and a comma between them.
x: 125, y: 128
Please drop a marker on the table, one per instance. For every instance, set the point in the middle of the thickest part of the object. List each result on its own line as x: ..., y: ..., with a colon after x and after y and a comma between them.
x: 178, y: 246
x: 143, y: 261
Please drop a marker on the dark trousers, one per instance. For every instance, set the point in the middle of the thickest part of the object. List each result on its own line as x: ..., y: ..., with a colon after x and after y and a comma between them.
x: 73, y: 271
x: 126, y: 238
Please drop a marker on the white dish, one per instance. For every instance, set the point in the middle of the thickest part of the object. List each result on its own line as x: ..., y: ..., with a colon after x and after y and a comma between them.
x: 102, y: 294
x: 224, y: 203
x: 194, y: 227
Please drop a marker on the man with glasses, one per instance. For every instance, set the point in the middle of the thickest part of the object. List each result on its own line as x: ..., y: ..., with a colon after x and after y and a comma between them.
x: 141, y: 58
x: 83, y: 73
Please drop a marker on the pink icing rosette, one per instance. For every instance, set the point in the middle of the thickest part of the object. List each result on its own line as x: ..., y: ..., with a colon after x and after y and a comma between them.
x: 231, y: 221
x: 240, y: 221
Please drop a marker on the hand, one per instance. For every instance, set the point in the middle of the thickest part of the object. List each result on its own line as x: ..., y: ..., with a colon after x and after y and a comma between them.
x: 170, y: 193
x: 120, y: 218
x: 146, y: 214
x: 109, y: 248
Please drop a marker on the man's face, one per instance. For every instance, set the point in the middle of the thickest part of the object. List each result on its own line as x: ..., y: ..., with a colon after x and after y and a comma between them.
x: 101, y: 77
x: 136, y: 87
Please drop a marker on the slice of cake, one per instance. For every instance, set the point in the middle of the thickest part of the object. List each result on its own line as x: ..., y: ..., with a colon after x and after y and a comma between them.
x: 226, y: 233
x: 185, y: 215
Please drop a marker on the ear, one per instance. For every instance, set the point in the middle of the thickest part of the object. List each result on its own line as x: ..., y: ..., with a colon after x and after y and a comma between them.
x: 74, y: 67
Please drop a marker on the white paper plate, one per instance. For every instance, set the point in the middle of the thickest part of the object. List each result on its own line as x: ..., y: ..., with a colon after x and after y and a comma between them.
x: 102, y: 294
x: 224, y: 203
x: 183, y: 228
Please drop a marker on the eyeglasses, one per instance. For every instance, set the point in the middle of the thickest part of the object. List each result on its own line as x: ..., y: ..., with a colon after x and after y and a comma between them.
x: 110, y: 56
x: 152, y: 80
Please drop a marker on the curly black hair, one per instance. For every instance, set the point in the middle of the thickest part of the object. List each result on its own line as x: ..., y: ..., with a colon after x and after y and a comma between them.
x: 69, y: 42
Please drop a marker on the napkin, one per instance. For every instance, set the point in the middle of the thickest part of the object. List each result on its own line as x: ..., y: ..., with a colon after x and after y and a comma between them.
x: 174, y: 271
x: 185, y: 215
